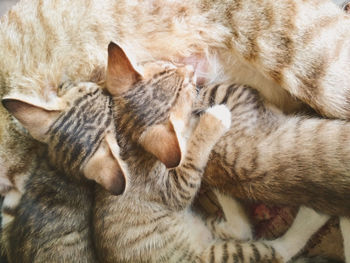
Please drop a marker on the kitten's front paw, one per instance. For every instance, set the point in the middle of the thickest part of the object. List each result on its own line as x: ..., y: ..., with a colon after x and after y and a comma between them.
x: 222, y: 113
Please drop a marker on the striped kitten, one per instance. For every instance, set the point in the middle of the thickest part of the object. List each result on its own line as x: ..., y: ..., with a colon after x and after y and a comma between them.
x: 48, y: 219
x: 153, y: 221
x: 278, y: 159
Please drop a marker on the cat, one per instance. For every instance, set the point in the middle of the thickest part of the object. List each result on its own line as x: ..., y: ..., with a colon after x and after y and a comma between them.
x: 110, y: 211
x: 48, y: 218
x: 277, y: 42
x: 291, y: 44
x: 50, y: 222
x: 265, y: 144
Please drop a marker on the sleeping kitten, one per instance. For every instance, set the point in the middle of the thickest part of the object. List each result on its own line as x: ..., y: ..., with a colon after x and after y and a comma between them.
x: 48, y: 217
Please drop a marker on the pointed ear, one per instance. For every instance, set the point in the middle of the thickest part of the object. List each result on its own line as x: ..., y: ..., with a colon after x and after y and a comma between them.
x: 36, y: 119
x: 121, y: 75
x: 164, y: 143
x: 104, y: 167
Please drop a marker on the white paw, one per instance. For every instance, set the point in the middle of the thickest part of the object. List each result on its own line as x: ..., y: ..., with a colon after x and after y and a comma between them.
x: 222, y: 113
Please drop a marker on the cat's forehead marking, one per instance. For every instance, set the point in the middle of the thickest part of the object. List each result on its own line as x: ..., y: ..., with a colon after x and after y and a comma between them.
x: 70, y: 92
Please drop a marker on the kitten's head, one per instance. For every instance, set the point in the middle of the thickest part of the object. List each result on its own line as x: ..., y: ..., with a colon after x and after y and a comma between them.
x: 153, y: 107
x: 79, y: 135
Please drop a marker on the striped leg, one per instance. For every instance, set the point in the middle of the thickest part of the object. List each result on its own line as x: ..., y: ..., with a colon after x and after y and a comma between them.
x: 184, y: 181
x: 237, y: 252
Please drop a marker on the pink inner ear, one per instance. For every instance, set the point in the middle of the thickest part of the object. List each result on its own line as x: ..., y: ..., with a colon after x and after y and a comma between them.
x: 162, y: 142
x: 121, y: 75
x: 35, y: 119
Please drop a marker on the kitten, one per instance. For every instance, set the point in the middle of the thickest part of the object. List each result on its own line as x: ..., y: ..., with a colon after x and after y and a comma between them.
x: 48, y: 218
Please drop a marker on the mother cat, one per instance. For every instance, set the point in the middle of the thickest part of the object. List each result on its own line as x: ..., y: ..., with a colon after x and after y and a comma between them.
x: 293, y: 44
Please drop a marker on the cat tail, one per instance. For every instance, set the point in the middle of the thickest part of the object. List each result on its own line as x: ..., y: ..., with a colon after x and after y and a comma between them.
x: 316, y: 259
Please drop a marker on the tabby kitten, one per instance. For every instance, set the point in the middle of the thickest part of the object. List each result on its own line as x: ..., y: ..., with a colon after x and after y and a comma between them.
x: 154, y: 222
x: 49, y: 219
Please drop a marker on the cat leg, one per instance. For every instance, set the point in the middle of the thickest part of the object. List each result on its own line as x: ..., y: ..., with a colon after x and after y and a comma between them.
x: 236, y: 225
x: 345, y: 230
x: 242, y: 252
x: 186, y: 179
x: 305, y: 224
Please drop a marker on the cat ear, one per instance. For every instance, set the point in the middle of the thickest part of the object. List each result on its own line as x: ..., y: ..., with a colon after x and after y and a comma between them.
x: 121, y: 74
x: 36, y: 119
x: 163, y: 142
x: 105, y: 167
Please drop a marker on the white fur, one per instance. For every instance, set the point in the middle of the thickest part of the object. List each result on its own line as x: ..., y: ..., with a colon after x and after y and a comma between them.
x: 345, y: 230
x: 222, y: 113
x: 305, y: 224
x: 237, y: 224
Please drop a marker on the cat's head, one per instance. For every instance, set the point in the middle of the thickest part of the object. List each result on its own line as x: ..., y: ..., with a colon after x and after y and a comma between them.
x: 79, y: 134
x: 152, y: 105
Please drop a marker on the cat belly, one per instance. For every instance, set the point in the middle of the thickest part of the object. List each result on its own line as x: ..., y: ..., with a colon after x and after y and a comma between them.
x: 219, y: 68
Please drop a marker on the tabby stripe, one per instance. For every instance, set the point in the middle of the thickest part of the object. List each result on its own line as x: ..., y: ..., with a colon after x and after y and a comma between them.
x: 184, y: 255
x: 212, y: 254
x: 213, y: 95
x: 235, y: 106
x: 229, y: 92
x: 191, y: 166
x: 180, y: 188
x: 142, y: 236
x: 257, y: 256
x: 212, y: 224
x: 185, y: 197
x: 273, y: 252
x: 225, y: 255
x: 239, y: 251
x: 188, y: 178
x: 12, y: 211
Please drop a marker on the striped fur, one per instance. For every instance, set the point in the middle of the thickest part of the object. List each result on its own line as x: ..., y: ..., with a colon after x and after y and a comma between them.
x: 274, y: 158
x: 48, y: 219
x: 50, y: 222
x: 152, y: 221
x: 90, y: 114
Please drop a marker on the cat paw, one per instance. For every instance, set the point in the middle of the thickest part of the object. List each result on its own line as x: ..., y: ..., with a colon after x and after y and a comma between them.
x: 222, y: 113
